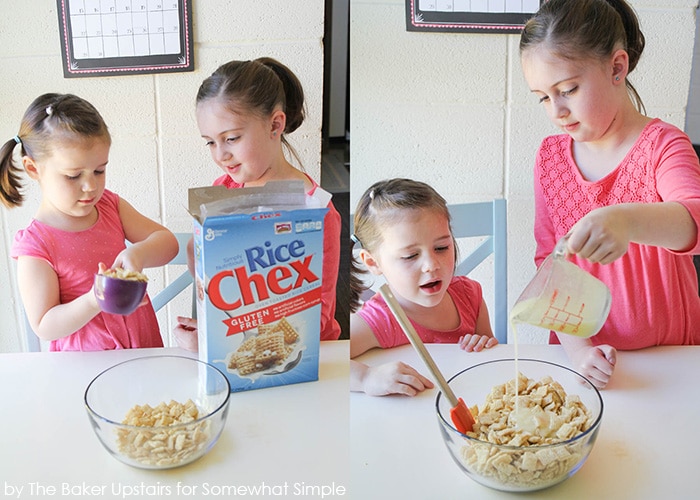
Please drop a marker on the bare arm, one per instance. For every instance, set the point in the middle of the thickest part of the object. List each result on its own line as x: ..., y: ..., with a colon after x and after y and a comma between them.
x: 362, y: 338
x: 483, y: 322
x: 190, y: 255
x: 604, y: 234
x: 389, y: 378
x: 51, y: 320
x: 153, y: 244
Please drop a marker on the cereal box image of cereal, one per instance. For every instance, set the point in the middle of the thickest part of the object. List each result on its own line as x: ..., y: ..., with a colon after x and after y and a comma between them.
x: 258, y: 269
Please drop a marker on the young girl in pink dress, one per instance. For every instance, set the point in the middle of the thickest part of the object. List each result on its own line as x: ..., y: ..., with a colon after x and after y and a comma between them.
x: 79, y: 229
x: 624, y: 187
x: 245, y: 110
x: 403, y: 229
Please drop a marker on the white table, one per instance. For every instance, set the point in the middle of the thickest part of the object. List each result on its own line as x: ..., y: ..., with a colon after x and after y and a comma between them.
x: 647, y: 447
x: 291, y: 438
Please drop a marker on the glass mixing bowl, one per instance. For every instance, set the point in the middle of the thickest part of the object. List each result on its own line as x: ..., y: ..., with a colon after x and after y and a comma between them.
x: 177, y: 406
x: 518, y: 468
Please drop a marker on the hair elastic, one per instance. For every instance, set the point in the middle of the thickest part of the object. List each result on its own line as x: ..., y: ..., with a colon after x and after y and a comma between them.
x: 355, y: 239
x: 17, y: 139
x: 49, y: 110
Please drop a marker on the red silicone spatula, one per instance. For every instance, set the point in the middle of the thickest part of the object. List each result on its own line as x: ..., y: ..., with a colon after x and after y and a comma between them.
x: 461, y: 416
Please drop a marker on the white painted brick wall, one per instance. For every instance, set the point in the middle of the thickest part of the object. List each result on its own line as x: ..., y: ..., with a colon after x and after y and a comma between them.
x: 692, y: 119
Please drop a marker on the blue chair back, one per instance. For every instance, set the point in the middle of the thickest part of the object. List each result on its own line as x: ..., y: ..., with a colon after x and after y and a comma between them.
x: 486, y: 219
x: 180, y: 283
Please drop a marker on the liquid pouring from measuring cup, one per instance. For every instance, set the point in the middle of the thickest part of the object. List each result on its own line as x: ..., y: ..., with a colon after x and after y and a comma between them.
x: 563, y: 297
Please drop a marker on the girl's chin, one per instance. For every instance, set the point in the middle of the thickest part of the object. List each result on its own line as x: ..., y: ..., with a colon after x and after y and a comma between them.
x: 83, y: 209
x: 430, y: 299
x: 233, y: 172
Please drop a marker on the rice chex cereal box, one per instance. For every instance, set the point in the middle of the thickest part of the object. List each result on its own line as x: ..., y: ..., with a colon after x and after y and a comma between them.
x: 258, y: 267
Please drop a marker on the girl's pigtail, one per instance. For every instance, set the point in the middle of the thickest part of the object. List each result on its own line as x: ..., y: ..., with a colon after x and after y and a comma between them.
x: 357, y: 284
x: 10, y: 181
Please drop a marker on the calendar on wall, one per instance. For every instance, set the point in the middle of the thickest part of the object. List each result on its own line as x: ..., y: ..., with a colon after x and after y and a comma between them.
x: 118, y: 37
x: 469, y: 16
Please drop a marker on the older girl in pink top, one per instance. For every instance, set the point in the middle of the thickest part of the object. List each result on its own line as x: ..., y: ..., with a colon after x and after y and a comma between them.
x: 245, y: 109
x: 79, y: 228
x: 623, y: 186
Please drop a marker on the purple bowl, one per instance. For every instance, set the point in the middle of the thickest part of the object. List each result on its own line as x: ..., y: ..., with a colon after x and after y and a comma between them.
x: 118, y: 296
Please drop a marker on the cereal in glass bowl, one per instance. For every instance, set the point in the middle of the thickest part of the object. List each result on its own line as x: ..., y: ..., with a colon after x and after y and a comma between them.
x: 158, y: 412
x: 527, y: 443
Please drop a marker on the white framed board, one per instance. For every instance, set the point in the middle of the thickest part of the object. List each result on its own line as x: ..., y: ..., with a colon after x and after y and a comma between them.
x: 117, y: 37
x: 469, y: 16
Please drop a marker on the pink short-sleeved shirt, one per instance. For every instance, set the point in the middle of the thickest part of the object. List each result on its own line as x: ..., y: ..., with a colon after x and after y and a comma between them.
x: 330, y: 329
x: 466, y: 295
x: 654, y: 291
x: 75, y: 256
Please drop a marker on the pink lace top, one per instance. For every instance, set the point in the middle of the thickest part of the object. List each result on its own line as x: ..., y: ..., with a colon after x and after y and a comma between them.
x: 654, y: 291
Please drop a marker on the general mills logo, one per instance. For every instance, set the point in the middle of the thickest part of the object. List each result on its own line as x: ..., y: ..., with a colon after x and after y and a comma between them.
x: 210, y: 235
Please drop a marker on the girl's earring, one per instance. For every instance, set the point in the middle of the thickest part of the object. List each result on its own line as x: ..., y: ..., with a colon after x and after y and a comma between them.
x: 617, y: 78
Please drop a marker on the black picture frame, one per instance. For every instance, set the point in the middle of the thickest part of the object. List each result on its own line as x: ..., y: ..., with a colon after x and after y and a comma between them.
x: 446, y: 21
x: 96, y: 43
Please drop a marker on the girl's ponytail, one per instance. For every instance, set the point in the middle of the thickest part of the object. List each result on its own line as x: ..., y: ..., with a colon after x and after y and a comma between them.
x: 635, y: 37
x: 10, y: 182
x: 293, y: 93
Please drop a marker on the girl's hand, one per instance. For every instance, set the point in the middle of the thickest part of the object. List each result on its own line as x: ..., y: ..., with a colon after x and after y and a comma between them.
x: 185, y: 334
x: 596, y: 363
x: 476, y: 343
x: 602, y: 235
x: 394, y: 378
x: 130, y: 259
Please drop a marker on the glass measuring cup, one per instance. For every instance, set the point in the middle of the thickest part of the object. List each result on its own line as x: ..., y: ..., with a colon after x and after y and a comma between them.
x: 563, y: 297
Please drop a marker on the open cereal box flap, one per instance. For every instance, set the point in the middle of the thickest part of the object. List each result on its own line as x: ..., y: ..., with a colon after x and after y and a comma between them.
x: 319, y: 199
x: 211, y: 201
